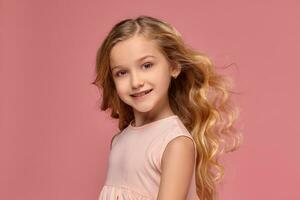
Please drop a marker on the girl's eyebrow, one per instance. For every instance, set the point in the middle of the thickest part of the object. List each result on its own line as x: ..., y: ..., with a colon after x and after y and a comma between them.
x: 138, y: 60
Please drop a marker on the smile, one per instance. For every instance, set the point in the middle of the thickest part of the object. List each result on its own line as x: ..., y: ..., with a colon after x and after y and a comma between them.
x: 142, y: 94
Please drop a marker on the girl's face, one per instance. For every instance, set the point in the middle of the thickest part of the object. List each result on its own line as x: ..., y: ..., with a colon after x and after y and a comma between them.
x: 137, y: 65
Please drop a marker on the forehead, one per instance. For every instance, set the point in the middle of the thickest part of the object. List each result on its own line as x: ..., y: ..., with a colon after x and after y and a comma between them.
x: 130, y: 50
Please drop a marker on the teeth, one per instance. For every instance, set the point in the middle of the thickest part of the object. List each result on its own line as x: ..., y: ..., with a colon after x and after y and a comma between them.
x: 141, y: 94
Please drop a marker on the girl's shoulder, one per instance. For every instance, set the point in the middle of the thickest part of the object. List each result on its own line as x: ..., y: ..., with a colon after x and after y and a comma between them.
x: 175, y: 130
x: 114, y: 139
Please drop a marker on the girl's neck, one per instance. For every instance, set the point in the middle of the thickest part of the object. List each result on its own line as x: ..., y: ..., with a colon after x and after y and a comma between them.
x: 140, y: 121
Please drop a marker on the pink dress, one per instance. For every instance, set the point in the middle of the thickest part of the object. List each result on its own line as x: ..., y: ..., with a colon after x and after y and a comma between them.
x: 134, y: 166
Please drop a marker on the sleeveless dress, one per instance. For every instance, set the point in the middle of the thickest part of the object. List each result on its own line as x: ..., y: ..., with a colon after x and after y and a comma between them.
x: 134, y: 166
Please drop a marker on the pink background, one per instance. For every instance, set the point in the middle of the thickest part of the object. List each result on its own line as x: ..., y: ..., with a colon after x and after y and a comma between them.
x: 54, y: 141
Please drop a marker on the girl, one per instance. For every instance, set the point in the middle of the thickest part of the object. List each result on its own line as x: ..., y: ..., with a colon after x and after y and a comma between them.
x: 173, y: 112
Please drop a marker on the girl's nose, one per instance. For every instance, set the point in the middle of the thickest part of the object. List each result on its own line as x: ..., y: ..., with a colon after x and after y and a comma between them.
x: 136, y: 80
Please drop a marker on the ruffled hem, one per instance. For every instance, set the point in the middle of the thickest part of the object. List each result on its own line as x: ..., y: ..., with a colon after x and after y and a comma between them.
x: 111, y: 192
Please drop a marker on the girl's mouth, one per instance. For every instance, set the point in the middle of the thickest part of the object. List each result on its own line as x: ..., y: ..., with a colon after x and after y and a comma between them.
x: 142, y: 94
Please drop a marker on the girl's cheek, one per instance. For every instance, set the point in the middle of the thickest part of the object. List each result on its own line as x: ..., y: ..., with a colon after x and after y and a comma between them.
x: 118, y: 83
x: 122, y: 87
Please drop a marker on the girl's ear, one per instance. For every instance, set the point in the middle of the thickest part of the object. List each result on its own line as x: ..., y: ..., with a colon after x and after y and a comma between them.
x: 176, y: 69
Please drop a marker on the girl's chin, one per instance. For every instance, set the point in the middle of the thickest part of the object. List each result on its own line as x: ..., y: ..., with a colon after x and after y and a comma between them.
x: 142, y: 108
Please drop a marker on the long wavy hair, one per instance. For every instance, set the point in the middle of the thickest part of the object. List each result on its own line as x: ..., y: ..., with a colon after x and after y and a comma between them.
x: 199, y: 96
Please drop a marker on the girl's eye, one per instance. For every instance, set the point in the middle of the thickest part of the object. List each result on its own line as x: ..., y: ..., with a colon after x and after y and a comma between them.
x: 118, y: 73
x: 148, y: 64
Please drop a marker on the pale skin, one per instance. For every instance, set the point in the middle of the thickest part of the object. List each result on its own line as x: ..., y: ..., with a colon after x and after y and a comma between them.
x: 131, y: 76
x: 177, y: 169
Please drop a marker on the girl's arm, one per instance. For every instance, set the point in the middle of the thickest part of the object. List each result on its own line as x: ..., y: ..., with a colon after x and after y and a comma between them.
x: 177, y: 169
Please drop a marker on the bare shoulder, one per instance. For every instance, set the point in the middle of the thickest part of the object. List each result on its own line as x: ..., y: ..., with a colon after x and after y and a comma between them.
x: 180, y: 145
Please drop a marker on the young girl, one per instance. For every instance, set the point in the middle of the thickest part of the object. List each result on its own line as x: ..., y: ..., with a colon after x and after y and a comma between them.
x: 173, y: 112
